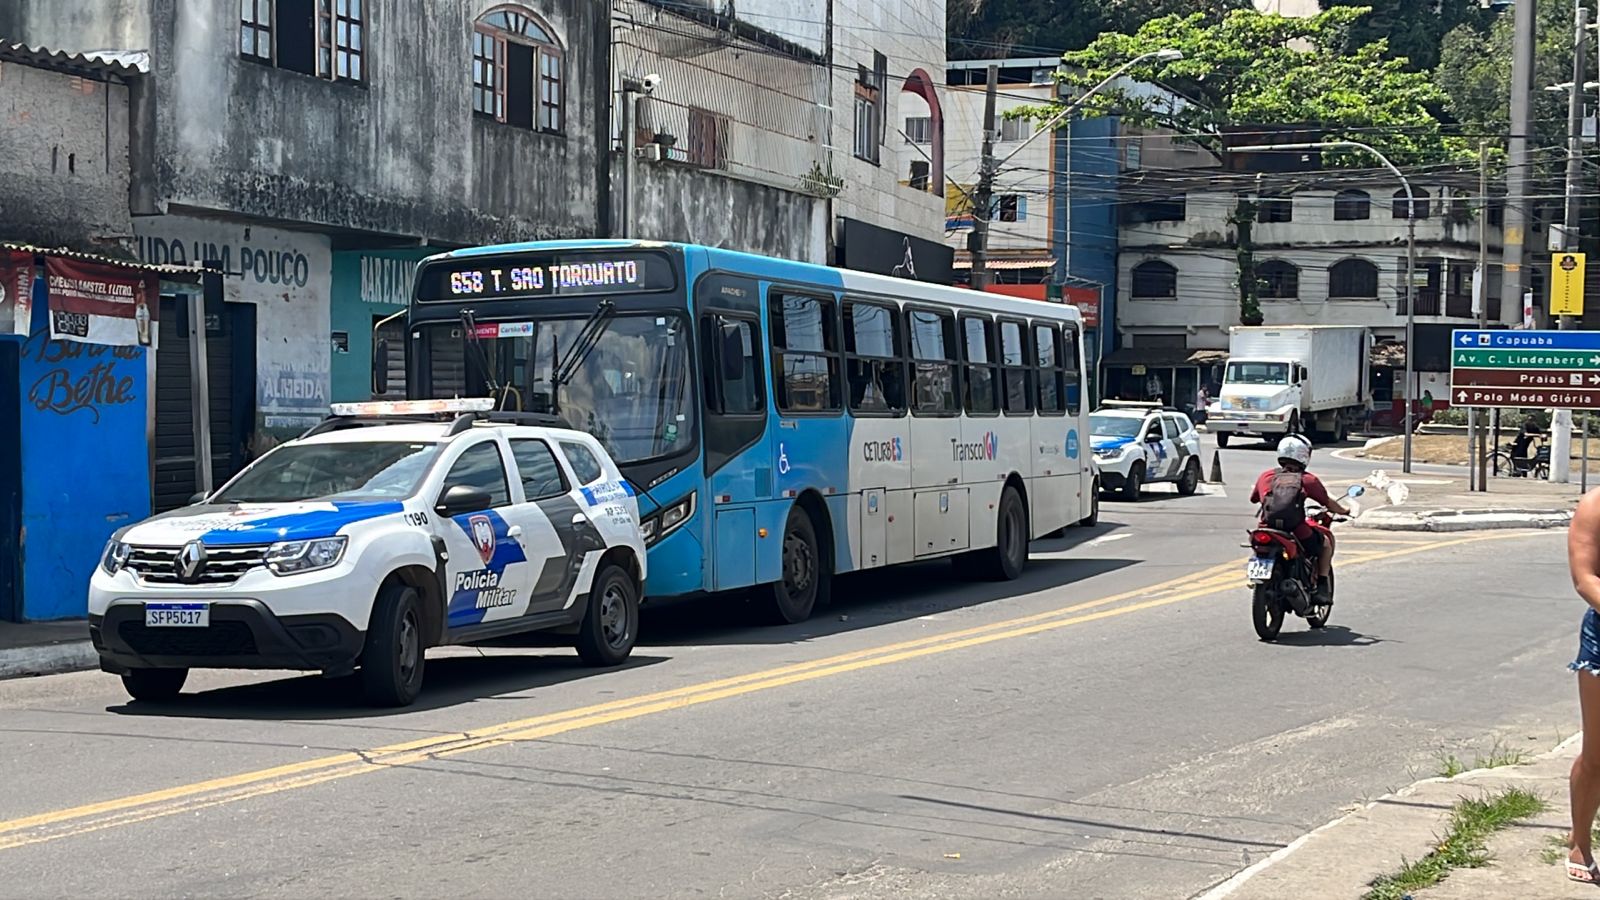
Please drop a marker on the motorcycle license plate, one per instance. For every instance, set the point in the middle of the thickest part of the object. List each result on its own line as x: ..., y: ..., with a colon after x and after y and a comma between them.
x: 1259, y: 569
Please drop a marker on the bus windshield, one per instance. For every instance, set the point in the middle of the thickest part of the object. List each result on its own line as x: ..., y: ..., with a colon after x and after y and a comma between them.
x: 631, y: 391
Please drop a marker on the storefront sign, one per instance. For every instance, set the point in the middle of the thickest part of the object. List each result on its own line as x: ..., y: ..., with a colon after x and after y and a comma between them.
x: 16, y: 291
x: 868, y: 248
x: 98, y: 304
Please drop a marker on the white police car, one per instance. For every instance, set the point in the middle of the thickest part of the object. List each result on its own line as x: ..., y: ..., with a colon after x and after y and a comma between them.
x: 1138, y: 443
x: 382, y: 532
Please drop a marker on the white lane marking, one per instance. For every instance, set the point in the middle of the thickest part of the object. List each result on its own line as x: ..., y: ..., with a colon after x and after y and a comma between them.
x: 1107, y: 538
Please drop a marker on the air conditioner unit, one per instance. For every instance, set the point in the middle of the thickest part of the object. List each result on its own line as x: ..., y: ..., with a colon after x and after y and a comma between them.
x: 650, y: 152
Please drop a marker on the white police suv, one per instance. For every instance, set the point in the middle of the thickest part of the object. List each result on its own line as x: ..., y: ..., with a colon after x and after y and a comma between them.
x: 1138, y: 443
x: 388, y: 529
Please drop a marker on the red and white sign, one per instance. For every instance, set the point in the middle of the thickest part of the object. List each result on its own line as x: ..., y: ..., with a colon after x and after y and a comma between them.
x: 16, y: 291
x: 98, y: 304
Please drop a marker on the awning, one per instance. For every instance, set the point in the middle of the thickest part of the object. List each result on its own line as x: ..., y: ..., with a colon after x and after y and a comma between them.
x: 1012, y: 264
x: 1389, y: 353
x: 95, y: 63
x: 172, y: 272
x: 1165, y: 357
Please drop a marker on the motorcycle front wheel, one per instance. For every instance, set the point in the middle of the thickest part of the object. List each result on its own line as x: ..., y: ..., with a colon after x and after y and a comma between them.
x: 1267, y: 612
x: 1321, y: 611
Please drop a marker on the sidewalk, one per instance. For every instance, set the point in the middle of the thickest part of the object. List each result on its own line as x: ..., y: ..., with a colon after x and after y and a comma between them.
x: 45, y: 648
x: 1341, y: 859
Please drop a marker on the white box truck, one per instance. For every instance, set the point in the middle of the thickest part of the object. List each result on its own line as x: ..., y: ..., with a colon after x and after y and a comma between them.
x: 1299, y: 379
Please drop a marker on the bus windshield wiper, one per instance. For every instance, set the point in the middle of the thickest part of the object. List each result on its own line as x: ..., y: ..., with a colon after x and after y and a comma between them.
x: 588, y: 338
x: 469, y: 324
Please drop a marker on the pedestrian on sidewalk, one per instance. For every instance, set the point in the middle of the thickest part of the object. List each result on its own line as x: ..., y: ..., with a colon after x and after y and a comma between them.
x: 1583, y: 557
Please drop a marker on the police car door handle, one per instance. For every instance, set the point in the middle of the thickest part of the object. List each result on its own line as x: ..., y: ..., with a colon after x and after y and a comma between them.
x: 514, y: 532
x: 579, y: 518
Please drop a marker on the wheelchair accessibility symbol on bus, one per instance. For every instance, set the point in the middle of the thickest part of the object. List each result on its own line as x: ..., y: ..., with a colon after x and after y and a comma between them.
x: 783, y: 460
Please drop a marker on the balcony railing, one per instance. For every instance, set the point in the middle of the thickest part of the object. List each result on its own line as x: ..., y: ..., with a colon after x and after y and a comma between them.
x: 1453, y: 306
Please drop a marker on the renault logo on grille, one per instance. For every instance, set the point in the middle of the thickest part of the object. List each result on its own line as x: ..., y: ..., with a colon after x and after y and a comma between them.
x: 191, y: 561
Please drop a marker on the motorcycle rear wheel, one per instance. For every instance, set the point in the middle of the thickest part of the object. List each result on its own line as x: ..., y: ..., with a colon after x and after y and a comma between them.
x: 1322, y: 611
x: 1267, y: 613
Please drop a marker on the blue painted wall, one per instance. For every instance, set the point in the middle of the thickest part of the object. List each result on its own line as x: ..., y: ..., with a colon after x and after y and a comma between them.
x: 1086, y: 205
x: 366, y: 284
x: 85, y: 461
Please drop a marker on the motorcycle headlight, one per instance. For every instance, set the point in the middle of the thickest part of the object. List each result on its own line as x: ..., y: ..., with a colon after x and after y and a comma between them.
x: 295, y: 557
x: 659, y: 524
x: 115, y: 557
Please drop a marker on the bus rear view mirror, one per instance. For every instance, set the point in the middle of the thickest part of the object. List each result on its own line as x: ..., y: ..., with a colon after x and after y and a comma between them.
x: 380, y: 368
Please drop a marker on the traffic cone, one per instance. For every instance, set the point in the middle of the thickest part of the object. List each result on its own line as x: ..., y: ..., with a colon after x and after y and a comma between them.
x: 1216, y: 467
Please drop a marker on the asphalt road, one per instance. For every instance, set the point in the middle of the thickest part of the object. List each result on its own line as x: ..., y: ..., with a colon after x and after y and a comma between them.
x: 1108, y: 726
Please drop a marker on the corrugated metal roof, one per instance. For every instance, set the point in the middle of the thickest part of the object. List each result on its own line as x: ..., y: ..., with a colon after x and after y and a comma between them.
x: 176, y: 273
x: 120, y: 63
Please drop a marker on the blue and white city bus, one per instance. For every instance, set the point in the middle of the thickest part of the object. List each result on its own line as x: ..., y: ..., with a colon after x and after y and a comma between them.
x: 780, y: 422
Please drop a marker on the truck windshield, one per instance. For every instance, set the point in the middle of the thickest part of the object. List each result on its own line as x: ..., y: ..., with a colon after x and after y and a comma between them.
x: 632, y: 391
x: 346, y: 470
x: 1257, y: 373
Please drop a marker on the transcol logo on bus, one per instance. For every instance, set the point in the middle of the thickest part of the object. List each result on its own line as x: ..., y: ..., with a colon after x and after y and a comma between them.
x: 986, y: 448
x: 886, y: 450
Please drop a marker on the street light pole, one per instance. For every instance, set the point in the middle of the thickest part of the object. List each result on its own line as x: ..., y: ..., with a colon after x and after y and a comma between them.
x: 1411, y: 265
x: 990, y: 167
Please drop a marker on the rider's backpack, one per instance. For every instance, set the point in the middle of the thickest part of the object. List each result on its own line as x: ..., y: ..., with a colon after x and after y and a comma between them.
x: 1283, y: 505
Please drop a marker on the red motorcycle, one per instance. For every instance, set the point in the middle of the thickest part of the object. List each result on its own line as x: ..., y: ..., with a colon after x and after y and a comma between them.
x: 1283, y: 575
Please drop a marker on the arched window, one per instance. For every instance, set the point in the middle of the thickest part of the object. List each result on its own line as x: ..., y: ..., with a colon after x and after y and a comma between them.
x: 1350, y: 206
x: 1353, y: 279
x: 1155, y: 280
x: 1279, y: 280
x: 517, y: 73
x: 1400, y: 203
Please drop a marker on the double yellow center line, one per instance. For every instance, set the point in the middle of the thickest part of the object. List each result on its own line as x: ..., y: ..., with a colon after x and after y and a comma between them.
x: 128, y: 810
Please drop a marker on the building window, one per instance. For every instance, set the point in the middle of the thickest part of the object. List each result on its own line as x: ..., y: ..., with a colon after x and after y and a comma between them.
x: 870, y: 120
x: 933, y: 381
x: 919, y: 129
x: 977, y: 344
x: 1155, y: 280
x: 517, y: 71
x: 1421, y: 196
x: 805, y: 346
x: 1016, y: 373
x: 1353, y: 279
x: 1013, y: 130
x: 1278, y: 280
x: 1011, y: 208
x: 1352, y: 206
x: 1275, y: 209
x: 325, y: 38
x: 875, y: 372
x: 708, y: 140
x: 1174, y: 210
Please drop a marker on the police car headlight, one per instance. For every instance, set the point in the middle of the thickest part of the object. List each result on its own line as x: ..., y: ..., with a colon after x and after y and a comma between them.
x: 658, y: 525
x: 115, y: 557
x: 1108, y: 452
x: 294, y: 557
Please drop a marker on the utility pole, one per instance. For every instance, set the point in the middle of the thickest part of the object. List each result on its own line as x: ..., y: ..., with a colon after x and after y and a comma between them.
x: 1515, y: 279
x: 1561, y: 423
x: 1479, y: 437
x: 983, y: 199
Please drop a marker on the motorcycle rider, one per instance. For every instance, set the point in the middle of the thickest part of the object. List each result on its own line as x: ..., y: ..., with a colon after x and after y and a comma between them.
x: 1287, y: 488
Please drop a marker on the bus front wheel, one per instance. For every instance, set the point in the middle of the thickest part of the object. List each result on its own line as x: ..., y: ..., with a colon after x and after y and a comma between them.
x: 794, y: 595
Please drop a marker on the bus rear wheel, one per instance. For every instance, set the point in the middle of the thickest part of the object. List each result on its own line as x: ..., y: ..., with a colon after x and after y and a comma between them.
x: 1005, y: 561
x: 794, y: 595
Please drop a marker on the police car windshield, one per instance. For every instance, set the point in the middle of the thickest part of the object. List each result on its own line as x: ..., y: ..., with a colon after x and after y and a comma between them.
x: 366, y: 470
x: 1115, y: 426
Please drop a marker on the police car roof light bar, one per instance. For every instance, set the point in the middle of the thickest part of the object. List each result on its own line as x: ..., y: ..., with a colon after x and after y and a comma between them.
x: 413, y: 407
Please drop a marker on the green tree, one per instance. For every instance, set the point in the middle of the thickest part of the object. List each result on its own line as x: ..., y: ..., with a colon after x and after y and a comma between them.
x: 990, y: 29
x: 1414, y: 29
x: 1247, y: 69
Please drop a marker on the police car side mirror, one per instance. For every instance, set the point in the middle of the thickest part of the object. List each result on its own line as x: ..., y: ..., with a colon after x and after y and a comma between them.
x: 461, y: 498
x: 380, y: 368
x: 1153, y: 438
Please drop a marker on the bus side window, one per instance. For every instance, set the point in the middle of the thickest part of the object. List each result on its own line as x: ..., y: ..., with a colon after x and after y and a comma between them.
x: 1069, y: 363
x: 1052, y: 389
x: 933, y: 352
x: 732, y: 372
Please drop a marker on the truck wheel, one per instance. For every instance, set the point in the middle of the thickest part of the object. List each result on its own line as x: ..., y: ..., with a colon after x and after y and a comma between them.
x: 610, y: 625
x: 392, y: 658
x: 792, y: 597
x: 1134, y: 483
x: 1222, y: 439
x: 154, y: 685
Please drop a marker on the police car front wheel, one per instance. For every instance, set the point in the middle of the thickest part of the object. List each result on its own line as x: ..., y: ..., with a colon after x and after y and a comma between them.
x: 393, y: 657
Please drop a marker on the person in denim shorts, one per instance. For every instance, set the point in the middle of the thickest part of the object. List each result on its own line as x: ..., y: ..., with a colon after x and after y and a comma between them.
x: 1583, y: 556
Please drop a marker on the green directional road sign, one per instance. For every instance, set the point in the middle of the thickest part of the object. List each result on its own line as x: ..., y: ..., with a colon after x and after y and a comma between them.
x: 1525, y: 359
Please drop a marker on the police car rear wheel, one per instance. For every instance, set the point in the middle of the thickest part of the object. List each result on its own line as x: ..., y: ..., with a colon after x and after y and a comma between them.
x: 154, y: 685
x: 610, y: 626
x: 393, y: 659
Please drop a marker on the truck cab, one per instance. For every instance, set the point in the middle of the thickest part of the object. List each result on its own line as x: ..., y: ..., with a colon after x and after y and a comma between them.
x: 1259, y: 398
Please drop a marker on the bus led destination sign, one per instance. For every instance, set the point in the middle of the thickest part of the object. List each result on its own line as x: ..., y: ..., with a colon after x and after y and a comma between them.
x: 550, y: 276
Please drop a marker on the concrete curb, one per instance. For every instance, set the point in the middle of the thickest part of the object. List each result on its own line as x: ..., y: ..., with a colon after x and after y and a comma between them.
x: 1457, y: 520
x: 48, y: 659
x: 1239, y: 878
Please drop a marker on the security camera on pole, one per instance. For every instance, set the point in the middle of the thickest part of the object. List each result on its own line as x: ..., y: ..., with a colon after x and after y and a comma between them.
x: 983, y: 197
